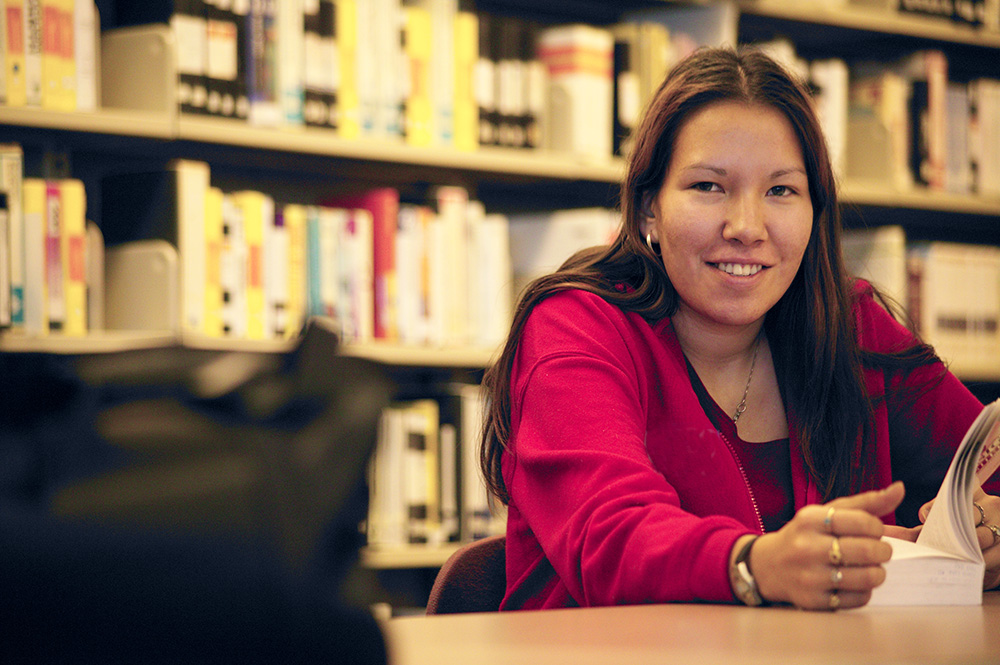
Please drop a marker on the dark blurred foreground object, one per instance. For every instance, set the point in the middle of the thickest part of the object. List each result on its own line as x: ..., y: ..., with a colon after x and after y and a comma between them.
x: 185, y: 505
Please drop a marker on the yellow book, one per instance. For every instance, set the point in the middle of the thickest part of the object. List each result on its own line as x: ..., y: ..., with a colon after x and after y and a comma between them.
x: 73, y: 255
x: 67, y: 55
x: 251, y: 206
x: 36, y: 293
x: 466, y: 109
x: 14, y: 60
x: 213, y: 319
x: 295, y: 225
x: 418, y: 108
x: 347, y: 50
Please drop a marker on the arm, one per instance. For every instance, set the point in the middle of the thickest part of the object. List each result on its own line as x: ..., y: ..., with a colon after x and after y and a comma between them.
x: 607, y: 520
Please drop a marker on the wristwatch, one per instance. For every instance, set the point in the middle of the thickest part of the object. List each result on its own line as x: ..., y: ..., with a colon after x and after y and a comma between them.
x: 741, y: 579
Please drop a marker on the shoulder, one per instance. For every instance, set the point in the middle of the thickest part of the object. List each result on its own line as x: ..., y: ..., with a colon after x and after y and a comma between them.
x: 576, y: 321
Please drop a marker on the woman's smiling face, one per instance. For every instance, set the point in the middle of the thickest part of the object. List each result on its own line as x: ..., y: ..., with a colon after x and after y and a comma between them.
x: 734, y: 215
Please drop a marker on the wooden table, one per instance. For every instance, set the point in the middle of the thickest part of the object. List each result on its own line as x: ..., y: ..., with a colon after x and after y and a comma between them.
x: 702, y: 635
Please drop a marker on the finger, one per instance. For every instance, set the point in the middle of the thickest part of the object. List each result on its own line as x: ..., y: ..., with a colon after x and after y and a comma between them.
x: 856, y: 551
x: 988, y: 538
x: 849, y: 578
x: 825, y: 601
x: 848, y: 522
x: 901, y: 532
x: 876, y: 502
x: 924, y: 510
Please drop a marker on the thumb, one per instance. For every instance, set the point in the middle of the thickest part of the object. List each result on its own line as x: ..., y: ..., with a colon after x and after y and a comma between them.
x: 876, y: 502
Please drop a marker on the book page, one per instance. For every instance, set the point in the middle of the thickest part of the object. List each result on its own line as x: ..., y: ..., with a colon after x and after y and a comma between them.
x: 950, y: 526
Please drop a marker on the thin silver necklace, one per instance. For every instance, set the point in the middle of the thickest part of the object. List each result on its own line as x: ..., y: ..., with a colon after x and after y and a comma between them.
x: 743, y: 402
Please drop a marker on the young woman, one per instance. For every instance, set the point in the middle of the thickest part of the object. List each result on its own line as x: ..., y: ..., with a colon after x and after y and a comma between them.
x: 710, y: 409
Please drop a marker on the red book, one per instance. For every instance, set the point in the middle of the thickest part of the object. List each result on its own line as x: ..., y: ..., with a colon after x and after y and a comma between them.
x: 383, y: 204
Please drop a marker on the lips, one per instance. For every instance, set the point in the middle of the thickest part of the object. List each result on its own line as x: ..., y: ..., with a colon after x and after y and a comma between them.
x: 739, y: 269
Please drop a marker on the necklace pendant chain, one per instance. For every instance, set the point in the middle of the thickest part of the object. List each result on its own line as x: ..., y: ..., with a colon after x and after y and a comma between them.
x: 743, y: 402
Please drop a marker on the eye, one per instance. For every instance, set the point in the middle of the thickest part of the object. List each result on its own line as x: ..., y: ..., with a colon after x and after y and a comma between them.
x: 780, y: 190
x: 706, y: 187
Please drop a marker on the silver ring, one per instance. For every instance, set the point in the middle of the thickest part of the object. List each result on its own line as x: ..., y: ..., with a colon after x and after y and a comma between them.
x: 995, y: 530
x: 836, y: 556
x: 836, y: 576
x: 828, y: 520
x: 834, y: 600
x: 982, y: 514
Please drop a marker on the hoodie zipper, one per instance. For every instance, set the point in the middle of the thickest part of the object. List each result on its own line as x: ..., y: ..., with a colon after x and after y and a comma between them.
x: 746, y: 482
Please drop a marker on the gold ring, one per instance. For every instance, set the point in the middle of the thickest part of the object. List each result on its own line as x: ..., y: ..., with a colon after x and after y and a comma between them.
x: 995, y: 530
x: 836, y: 557
x: 982, y: 514
x: 834, y: 601
x: 836, y: 575
x: 828, y: 520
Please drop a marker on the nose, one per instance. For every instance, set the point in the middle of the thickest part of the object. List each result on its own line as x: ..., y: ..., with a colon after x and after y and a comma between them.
x: 745, y: 221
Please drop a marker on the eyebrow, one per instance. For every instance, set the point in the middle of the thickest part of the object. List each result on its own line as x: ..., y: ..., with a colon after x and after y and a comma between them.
x: 780, y: 173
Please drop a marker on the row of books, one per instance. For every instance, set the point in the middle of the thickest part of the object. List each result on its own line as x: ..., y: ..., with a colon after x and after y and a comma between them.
x: 174, y: 252
x: 429, y: 72
x: 47, y: 262
x: 50, y: 54
x: 424, y: 480
x: 906, y: 124
x: 950, y: 292
x: 975, y: 13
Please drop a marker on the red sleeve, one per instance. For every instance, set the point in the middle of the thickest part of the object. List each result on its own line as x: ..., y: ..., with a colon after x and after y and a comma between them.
x: 609, y: 523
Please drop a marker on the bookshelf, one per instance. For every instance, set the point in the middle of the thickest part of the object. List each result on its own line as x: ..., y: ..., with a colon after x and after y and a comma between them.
x: 306, y: 158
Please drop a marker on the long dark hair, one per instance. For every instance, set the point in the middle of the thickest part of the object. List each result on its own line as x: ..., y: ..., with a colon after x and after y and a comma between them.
x: 811, y: 329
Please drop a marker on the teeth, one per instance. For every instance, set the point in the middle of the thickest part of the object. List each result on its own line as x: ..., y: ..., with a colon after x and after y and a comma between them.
x: 740, y: 269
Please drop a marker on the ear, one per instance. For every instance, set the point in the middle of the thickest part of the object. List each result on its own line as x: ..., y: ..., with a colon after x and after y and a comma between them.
x: 648, y: 224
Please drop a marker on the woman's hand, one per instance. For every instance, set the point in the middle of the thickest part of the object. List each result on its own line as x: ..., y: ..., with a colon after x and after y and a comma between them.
x: 986, y: 517
x: 828, y: 556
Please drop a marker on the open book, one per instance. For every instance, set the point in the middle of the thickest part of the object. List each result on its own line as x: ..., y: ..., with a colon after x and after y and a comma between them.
x: 945, y: 566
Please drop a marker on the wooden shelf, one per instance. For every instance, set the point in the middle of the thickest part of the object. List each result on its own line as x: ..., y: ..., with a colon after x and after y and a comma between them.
x: 116, y: 122
x: 879, y: 194
x: 110, y: 341
x: 422, y: 356
x: 407, y: 556
x: 321, y: 142
x: 857, y: 17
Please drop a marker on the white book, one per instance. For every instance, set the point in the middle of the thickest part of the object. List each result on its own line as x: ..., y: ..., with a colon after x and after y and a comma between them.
x: 366, y: 66
x: 291, y: 60
x: 540, y: 243
x: 331, y: 223
x: 878, y: 255
x: 86, y: 38
x: 387, y: 510
x: 355, y: 262
x: 411, y: 269
x: 276, y: 257
x: 193, y: 181
x: 233, y: 270
x: 945, y: 565
x: 580, y: 61
x: 452, y: 207
x: 831, y: 79
x: 491, y: 277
